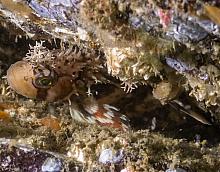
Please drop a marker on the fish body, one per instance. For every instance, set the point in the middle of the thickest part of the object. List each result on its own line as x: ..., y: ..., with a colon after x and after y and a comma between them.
x: 65, y: 75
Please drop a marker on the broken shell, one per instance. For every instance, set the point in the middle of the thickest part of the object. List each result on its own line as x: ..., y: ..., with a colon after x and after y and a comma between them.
x: 37, y: 83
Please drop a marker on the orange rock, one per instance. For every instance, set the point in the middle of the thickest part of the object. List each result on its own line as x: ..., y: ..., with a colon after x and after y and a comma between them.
x: 4, y: 116
x: 213, y: 13
x: 50, y: 122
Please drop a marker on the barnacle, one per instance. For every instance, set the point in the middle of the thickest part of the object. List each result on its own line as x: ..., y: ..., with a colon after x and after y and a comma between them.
x: 165, y: 91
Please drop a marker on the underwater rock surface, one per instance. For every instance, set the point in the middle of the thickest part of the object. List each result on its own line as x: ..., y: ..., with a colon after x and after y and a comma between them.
x: 151, y: 64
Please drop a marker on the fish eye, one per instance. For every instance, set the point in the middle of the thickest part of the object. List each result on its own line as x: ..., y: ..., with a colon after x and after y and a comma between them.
x: 43, y: 80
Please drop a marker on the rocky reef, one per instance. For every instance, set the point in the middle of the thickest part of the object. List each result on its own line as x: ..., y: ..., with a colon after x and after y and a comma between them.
x: 156, y: 61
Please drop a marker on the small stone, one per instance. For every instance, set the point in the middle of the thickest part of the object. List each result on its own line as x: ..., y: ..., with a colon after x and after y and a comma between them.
x: 107, y: 156
x: 51, y: 165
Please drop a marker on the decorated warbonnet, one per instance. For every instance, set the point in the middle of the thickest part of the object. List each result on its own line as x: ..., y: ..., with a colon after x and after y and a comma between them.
x: 54, y: 75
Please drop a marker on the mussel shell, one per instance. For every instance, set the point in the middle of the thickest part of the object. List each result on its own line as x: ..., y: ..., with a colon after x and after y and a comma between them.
x: 20, y: 76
